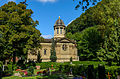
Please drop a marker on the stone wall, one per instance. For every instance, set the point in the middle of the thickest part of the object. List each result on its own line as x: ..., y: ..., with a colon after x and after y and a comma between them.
x: 63, y: 53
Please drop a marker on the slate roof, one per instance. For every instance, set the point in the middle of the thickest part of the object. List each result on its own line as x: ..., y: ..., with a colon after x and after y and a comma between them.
x: 58, y: 40
x: 47, y: 41
x: 59, y: 22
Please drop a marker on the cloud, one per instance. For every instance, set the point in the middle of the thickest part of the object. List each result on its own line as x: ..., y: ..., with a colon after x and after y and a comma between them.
x: 47, y: 36
x: 44, y: 1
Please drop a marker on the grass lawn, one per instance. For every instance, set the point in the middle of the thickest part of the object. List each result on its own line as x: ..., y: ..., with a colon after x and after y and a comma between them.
x: 14, y: 77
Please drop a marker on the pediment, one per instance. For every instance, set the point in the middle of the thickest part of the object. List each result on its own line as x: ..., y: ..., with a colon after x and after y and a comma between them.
x: 65, y: 40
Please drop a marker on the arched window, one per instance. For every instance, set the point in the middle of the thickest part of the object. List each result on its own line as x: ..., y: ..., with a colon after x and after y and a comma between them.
x: 57, y: 30
x: 45, y: 50
x: 60, y: 30
x: 64, y: 47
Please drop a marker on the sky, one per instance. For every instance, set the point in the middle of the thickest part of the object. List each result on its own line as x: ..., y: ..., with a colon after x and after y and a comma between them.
x: 48, y: 11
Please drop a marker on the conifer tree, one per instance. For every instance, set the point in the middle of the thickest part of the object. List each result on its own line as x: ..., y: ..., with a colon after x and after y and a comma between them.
x: 39, y: 60
x: 53, y: 56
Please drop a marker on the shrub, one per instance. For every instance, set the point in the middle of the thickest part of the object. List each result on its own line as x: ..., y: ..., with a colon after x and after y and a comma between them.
x: 9, y: 69
x: 1, y: 64
x: 60, y: 68
x: 30, y: 63
x: 79, y: 70
x: 21, y: 73
x: 57, y: 76
x: 118, y: 70
x: 66, y: 68
x: 112, y: 71
x: 53, y: 58
x: 30, y: 71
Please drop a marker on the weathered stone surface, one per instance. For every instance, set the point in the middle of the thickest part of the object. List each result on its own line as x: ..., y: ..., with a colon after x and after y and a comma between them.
x: 118, y: 77
x: 17, y: 74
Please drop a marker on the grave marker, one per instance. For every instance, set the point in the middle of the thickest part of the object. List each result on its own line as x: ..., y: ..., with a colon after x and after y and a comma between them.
x: 109, y: 75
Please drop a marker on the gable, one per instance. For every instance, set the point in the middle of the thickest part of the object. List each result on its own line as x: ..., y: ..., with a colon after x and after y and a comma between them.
x: 65, y: 40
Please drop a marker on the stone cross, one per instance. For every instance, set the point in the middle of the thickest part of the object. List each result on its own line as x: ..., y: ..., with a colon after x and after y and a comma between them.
x: 108, y: 75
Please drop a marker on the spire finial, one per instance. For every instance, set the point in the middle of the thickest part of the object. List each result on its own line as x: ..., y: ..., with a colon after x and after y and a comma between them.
x: 59, y: 17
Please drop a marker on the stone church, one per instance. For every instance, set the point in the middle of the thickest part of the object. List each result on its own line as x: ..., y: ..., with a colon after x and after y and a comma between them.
x: 65, y: 48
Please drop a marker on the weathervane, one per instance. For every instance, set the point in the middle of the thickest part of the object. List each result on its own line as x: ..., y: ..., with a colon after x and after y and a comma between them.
x: 24, y: 2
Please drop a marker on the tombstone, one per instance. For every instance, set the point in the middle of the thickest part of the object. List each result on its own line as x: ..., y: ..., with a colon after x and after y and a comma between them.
x: 38, y: 67
x: 17, y: 74
x: 91, y: 74
x: 108, y: 75
x: 118, y: 77
x: 101, y: 72
x: 71, y: 71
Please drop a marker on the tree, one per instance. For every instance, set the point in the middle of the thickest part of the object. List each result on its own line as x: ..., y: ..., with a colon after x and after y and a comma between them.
x: 53, y: 56
x: 89, y: 43
x: 103, y: 16
x: 17, y: 30
x: 110, y: 50
x: 39, y: 60
x: 85, y: 3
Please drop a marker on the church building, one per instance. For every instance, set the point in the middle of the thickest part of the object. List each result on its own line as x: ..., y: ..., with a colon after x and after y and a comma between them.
x: 65, y: 48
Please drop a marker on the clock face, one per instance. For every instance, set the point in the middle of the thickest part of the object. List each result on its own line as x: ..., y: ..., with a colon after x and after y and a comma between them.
x: 64, y: 47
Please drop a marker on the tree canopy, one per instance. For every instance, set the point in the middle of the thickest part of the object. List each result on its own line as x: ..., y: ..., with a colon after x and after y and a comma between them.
x: 105, y: 18
x: 18, y: 32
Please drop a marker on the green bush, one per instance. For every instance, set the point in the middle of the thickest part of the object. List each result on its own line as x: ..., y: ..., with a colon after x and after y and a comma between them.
x: 77, y: 70
x: 112, y: 71
x: 45, y: 65
x: 1, y: 64
x: 118, y: 70
x: 30, y: 71
x: 53, y: 58
x: 57, y: 76
x: 9, y: 69
x: 30, y: 63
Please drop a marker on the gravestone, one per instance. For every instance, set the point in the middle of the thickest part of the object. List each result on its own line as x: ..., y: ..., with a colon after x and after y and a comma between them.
x: 101, y: 72
x: 37, y: 67
x: 17, y: 74
x: 118, y: 77
x: 91, y: 74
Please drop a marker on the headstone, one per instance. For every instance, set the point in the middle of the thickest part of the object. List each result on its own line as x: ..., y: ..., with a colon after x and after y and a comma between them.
x: 91, y: 74
x: 109, y: 75
x: 118, y: 77
x: 17, y: 74
x: 101, y: 72
x: 37, y: 67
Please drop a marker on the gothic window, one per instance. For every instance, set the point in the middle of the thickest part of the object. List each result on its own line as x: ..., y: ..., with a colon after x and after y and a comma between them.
x: 57, y: 30
x: 64, y: 47
x: 45, y: 50
x: 60, y: 30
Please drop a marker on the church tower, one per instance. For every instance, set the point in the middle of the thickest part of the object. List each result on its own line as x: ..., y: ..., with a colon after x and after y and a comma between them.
x: 59, y: 29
